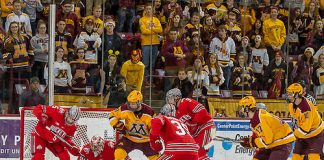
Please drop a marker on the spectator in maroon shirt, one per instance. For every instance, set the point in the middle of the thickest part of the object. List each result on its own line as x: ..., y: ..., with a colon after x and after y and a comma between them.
x: 70, y: 18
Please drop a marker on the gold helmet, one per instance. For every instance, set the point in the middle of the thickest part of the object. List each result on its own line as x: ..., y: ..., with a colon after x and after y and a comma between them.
x: 135, y: 97
x: 295, y: 88
x: 248, y: 102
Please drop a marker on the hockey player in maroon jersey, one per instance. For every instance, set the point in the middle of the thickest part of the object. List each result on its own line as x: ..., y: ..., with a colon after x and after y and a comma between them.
x: 54, y: 130
x: 98, y: 149
x: 195, y: 116
x: 179, y: 144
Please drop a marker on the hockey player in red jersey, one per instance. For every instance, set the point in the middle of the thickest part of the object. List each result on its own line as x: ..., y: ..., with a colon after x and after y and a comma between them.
x: 98, y: 149
x: 195, y: 116
x: 179, y: 144
x: 54, y: 130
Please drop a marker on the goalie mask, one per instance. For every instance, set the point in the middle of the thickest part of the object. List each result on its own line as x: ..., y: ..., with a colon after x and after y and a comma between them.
x: 173, y: 96
x: 97, y: 145
x: 168, y: 110
x: 134, y: 100
x: 72, y: 115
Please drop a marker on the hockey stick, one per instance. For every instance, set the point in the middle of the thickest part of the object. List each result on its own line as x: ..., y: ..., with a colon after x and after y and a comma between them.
x: 63, y: 140
x: 219, y: 138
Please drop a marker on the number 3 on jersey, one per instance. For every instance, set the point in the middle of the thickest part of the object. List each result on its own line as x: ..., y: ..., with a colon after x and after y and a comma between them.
x: 182, y: 129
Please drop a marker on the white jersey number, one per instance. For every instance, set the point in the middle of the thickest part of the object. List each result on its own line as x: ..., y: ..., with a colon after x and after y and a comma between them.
x: 183, y: 130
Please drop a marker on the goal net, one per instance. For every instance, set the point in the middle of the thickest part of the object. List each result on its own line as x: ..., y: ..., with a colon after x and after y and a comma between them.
x: 93, y: 121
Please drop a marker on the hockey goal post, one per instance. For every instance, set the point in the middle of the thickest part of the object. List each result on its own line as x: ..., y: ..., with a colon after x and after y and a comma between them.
x: 93, y: 121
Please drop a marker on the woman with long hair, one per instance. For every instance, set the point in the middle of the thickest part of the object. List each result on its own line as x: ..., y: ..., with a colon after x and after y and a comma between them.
x: 304, y: 67
x: 243, y: 77
x: 174, y: 23
x: 259, y: 62
x: 209, y: 30
x: 315, y: 38
x: 39, y: 43
x: 256, y: 30
x: 215, y: 74
x: 200, y: 80
x: 62, y: 72
x: 18, y: 52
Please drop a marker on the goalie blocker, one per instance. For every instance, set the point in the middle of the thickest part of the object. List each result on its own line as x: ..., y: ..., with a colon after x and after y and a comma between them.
x: 54, y: 130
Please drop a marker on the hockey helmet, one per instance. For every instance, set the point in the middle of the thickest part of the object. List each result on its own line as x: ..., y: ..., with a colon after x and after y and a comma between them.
x: 247, y: 102
x: 97, y: 144
x: 135, y: 97
x: 173, y: 96
x: 168, y: 110
x: 295, y: 88
x: 73, y: 114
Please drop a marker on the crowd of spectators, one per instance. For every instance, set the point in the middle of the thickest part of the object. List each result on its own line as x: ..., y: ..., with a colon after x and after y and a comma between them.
x: 108, y: 47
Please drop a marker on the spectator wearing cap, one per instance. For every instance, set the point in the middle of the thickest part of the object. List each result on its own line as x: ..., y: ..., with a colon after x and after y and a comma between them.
x: 90, y: 41
x: 304, y: 67
x: 150, y: 29
x: 33, y: 95
x: 274, y: 31
x: 98, y: 23
x: 193, y: 25
x: 112, y: 42
x: 133, y: 71
x: 318, y: 77
x: 174, y: 51
x: 224, y: 47
x: 306, y: 92
x: 70, y: 18
x: 276, y: 73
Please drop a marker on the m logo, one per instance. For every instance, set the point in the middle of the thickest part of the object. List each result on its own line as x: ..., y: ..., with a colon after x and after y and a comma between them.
x: 138, y: 129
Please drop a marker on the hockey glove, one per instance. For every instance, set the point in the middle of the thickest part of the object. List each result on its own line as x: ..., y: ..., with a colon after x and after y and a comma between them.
x: 248, y: 142
x: 75, y: 151
x: 120, y: 127
x: 155, y: 143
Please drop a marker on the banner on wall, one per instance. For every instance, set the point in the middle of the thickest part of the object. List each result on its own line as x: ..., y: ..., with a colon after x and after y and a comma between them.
x: 9, y: 137
x: 234, y: 129
x: 230, y: 107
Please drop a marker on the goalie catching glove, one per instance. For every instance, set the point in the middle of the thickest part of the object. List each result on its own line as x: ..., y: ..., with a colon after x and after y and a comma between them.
x: 248, y: 142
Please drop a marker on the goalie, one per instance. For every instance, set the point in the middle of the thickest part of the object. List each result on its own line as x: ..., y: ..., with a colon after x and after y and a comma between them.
x: 271, y: 135
x: 54, y: 130
x: 98, y: 148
